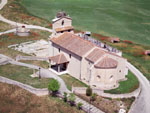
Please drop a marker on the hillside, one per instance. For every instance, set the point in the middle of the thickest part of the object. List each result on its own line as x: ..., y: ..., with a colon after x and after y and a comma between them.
x: 127, y: 19
x: 18, y: 100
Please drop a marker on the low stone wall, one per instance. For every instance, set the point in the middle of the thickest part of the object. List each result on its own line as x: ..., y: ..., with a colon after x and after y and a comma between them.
x: 38, y: 92
x: 30, y: 58
x: 82, y: 90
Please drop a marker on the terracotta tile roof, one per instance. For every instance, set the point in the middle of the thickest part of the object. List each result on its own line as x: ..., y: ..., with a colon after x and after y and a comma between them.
x: 73, y: 44
x: 106, y: 63
x: 64, y: 28
x: 95, y: 55
x: 59, y: 59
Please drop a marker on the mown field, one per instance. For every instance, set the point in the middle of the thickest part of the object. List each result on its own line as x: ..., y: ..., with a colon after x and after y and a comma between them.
x: 127, y: 19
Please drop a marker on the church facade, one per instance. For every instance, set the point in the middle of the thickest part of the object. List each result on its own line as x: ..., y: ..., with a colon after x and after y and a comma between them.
x: 82, y: 59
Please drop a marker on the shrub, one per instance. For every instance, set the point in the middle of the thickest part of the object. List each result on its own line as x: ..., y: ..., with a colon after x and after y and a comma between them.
x: 93, y: 97
x: 88, y: 91
x: 72, y: 99
x: 79, y: 105
x: 53, y: 86
x: 65, y: 97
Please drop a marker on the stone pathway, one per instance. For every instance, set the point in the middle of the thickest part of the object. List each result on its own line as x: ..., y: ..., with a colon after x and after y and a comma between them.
x: 87, y: 106
x: 9, y: 31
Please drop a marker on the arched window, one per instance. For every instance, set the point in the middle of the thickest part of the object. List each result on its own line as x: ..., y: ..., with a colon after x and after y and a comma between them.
x: 62, y: 23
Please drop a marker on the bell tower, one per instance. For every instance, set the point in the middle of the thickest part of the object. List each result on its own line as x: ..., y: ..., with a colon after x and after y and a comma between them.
x: 60, y: 24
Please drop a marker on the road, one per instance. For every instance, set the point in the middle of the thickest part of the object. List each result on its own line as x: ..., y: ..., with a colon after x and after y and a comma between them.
x: 142, y: 104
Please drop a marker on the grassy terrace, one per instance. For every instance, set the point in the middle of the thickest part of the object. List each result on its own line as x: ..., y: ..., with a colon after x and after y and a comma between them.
x: 126, y: 86
x: 22, y: 74
x: 71, y: 81
x: 18, y: 100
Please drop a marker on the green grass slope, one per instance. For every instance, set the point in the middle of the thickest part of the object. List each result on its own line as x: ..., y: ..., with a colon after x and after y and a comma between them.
x: 127, y: 19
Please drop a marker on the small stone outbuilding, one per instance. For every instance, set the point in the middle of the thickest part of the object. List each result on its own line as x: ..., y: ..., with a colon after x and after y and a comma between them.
x: 147, y: 52
x: 114, y: 40
x: 22, y: 31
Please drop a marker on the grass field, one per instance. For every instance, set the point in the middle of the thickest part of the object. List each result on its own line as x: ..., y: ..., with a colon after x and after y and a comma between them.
x: 126, y: 86
x: 23, y: 75
x: 127, y: 19
x: 18, y: 100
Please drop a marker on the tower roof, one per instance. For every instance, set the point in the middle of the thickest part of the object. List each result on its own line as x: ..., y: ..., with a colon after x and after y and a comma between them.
x: 61, y: 14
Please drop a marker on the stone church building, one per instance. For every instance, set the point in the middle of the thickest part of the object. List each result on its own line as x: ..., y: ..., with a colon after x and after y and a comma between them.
x: 82, y: 59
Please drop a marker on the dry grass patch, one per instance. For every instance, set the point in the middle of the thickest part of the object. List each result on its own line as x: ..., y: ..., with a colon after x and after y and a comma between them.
x: 17, y: 100
x: 5, y: 26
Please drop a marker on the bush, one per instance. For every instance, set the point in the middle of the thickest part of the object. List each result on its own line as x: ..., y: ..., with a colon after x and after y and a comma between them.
x: 79, y: 105
x: 88, y: 91
x: 53, y: 86
x: 72, y: 99
x: 65, y: 97
x: 93, y: 97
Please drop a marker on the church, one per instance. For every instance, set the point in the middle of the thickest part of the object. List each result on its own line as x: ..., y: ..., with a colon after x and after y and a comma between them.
x: 81, y: 58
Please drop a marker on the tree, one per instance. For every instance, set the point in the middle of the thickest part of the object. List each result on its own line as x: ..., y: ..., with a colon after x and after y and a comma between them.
x: 53, y: 86
x: 88, y: 91
x: 79, y: 105
x: 72, y: 99
x: 65, y: 97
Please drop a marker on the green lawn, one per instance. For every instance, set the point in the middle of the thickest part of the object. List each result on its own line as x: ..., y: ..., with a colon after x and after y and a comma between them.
x: 71, y: 81
x: 127, y: 19
x: 126, y: 86
x: 22, y: 74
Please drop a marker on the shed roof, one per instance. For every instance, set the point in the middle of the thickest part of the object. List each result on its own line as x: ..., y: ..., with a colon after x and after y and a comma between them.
x: 59, y: 59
